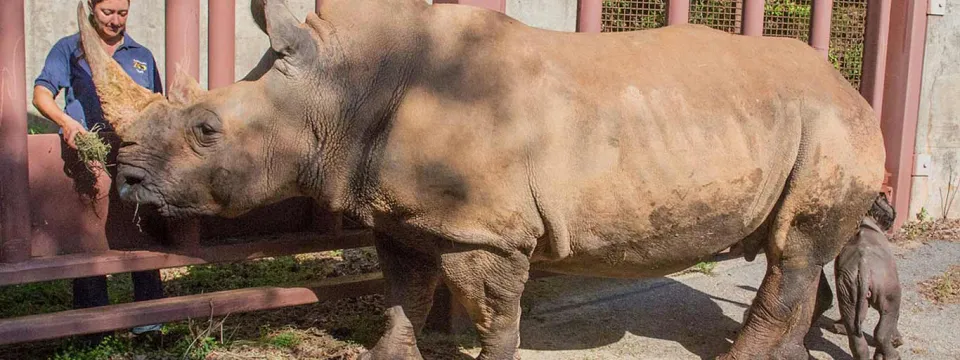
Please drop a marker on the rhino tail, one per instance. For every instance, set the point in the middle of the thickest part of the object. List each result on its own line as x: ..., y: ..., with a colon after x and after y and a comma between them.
x: 863, y: 293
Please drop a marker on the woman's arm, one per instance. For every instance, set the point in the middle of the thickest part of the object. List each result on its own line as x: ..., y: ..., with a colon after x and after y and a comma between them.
x: 43, y: 101
x: 55, y: 75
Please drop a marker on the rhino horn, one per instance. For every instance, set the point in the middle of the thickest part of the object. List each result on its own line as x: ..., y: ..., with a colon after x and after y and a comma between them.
x: 121, y: 99
x: 184, y: 89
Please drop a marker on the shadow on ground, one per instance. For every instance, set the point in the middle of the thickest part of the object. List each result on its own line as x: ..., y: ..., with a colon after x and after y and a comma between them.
x: 581, y: 313
x: 570, y: 313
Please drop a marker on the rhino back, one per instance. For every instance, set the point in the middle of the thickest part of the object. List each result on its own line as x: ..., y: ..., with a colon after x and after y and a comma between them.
x: 611, y: 147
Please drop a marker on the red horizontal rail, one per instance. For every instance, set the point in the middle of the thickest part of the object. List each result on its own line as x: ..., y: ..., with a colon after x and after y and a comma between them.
x: 127, y: 315
x: 113, y: 261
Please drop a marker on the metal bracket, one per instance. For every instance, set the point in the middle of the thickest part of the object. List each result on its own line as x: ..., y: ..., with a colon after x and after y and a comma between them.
x: 936, y: 7
x: 922, y: 165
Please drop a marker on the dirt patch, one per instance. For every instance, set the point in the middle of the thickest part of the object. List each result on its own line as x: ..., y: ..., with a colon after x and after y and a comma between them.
x: 943, y: 229
x: 944, y: 289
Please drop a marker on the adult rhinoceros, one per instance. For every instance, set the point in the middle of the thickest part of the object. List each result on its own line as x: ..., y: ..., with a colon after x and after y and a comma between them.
x: 479, y: 148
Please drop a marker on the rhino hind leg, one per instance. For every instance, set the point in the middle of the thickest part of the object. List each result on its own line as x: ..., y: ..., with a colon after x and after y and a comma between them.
x: 886, y: 333
x: 787, y: 300
x: 489, y: 284
x: 411, y: 278
x: 849, y: 300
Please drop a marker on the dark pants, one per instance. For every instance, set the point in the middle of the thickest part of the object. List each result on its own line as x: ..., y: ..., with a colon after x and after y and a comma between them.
x: 92, y: 292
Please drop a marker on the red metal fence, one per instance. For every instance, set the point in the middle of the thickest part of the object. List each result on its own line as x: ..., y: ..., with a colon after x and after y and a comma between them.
x: 782, y: 18
x: 45, y: 237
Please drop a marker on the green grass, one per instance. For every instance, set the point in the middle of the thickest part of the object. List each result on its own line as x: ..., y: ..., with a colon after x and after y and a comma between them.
x: 110, y: 348
x: 705, y: 267
x: 286, y: 339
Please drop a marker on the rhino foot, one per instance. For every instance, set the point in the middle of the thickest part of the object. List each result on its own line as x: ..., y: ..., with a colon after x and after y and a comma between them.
x: 392, y: 353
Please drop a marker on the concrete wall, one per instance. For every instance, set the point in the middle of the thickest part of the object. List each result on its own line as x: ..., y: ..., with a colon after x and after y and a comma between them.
x: 49, y: 20
x: 938, y: 128
x: 560, y: 15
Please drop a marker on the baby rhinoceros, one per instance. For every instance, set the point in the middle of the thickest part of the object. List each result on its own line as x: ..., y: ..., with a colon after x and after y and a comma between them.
x: 866, y: 275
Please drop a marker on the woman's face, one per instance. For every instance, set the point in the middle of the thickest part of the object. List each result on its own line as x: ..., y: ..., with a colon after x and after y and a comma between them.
x: 111, y: 17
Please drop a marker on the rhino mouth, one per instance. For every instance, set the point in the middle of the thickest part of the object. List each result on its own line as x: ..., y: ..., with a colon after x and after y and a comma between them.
x: 132, y: 187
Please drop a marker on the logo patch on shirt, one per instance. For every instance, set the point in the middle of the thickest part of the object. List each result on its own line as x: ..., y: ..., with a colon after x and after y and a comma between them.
x: 139, y: 65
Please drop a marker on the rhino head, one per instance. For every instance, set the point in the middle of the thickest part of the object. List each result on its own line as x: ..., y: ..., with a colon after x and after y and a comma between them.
x: 287, y: 129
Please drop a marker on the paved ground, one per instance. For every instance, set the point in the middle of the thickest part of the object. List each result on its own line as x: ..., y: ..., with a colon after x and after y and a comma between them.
x: 695, y: 316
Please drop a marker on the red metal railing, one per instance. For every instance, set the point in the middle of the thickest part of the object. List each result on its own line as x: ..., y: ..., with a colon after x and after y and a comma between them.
x: 752, y: 18
x: 14, y: 192
x: 222, y: 43
x: 678, y: 12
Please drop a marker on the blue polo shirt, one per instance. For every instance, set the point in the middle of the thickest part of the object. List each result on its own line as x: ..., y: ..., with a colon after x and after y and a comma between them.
x: 64, y: 68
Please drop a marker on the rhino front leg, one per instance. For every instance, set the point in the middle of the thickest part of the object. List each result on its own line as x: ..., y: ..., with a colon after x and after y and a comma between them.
x: 411, y: 278
x: 824, y: 298
x: 489, y: 284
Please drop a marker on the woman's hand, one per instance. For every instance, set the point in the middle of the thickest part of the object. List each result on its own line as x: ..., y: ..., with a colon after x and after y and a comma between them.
x: 70, y: 130
x: 43, y: 101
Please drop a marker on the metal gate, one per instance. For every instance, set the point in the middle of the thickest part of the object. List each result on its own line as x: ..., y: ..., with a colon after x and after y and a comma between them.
x: 782, y: 18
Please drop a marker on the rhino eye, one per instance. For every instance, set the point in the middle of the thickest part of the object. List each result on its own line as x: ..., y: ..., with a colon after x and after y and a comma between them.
x: 207, y: 130
x: 206, y: 133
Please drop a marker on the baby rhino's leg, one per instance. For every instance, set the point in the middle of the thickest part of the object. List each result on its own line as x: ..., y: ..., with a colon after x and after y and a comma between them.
x: 886, y: 333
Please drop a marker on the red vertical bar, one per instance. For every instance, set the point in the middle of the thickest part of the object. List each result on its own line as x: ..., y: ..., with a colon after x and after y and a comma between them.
x: 678, y: 12
x: 589, y: 15
x: 901, y: 97
x: 221, y: 43
x: 875, y: 53
x: 183, y: 48
x: 752, y: 24
x: 14, y: 180
x: 183, y: 38
x: 317, y: 5
x: 821, y: 10
x: 497, y: 5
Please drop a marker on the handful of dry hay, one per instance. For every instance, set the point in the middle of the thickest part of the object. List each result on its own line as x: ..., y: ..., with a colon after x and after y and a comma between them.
x: 91, y: 148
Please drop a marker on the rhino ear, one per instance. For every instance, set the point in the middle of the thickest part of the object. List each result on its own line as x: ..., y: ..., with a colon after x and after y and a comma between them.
x: 256, y: 9
x: 184, y: 89
x: 287, y: 38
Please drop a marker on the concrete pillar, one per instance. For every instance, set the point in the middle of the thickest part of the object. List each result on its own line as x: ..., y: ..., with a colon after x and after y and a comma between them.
x: 14, y: 188
x: 221, y: 43
x: 875, y: 53
x: 589, y: 16
x: 752, y: 24
x: 182, y: 38
x: 678, y: 12
x: 820, y: 13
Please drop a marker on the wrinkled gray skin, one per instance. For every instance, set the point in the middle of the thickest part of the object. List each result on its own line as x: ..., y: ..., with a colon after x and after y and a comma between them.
x: 866, y: 277
x: 478, y: 148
